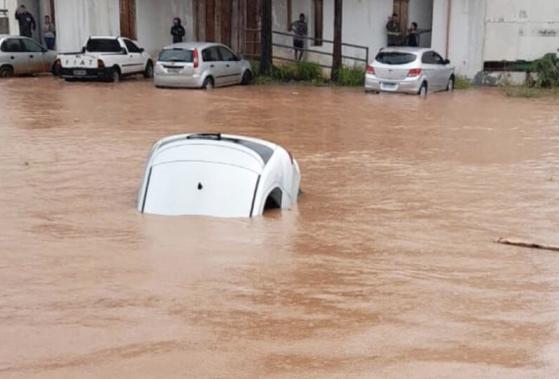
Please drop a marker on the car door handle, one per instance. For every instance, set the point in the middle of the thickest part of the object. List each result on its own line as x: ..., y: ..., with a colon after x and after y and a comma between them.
x: 31, y: 56
x: 227, y: 65
x: 12, y: 57
x: 212, y: 65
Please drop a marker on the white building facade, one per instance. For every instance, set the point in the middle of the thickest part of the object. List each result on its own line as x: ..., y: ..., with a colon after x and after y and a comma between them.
x: 471, y: 33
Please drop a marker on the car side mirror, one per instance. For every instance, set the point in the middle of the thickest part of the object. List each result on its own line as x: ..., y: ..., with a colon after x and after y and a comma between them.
x: 142, y: 50
x: 44, y: 50
x: 238, y: 57
x: 447, y: 61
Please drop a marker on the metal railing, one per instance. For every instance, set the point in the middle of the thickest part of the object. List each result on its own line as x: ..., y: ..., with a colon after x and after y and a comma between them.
x: 246, y: 50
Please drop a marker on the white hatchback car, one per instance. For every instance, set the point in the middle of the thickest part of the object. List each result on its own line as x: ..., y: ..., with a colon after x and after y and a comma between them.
x: 409, y: 70
x: 200, y: 65
x: 217, y: 175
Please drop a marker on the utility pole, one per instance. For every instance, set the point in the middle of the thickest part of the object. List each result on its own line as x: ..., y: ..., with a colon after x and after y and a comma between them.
x: 337, y: 57
x: 266, y: 38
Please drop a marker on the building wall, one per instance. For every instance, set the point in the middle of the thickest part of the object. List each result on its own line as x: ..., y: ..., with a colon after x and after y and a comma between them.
x: 521, y: 30
x: 154, y: 21
x: 78, y: 19
x: 421, y: 11
x: 363, y: 23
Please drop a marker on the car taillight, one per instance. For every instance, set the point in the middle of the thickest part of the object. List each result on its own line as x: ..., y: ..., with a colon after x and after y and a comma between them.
x: 370, y: 70
x: 100, y: 63
x: 196, y: 60
x: 414, y: 72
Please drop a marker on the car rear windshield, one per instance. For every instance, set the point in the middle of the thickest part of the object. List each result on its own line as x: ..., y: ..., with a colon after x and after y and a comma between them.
x: 395, y: 57
x: 176, y: 55
x: 99, y: 45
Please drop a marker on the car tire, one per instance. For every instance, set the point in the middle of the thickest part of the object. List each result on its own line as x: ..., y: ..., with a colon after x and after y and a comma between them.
x: 208, y: 83
x: 148, y: 72
x: 115, y: 75
x: 247, y: 78
x: 6, y: 72
x: 423, y: 90
x: 56, y: 68
x: 450, y: 85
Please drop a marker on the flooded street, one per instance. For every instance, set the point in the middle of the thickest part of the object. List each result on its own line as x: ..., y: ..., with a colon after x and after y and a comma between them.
x: 386, y: 269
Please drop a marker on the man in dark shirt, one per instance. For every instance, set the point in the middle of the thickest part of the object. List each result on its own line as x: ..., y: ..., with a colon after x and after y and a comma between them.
x: 393, y: 31
x: 177, y: 31
x: 413, y: 35
x: 26, y: 22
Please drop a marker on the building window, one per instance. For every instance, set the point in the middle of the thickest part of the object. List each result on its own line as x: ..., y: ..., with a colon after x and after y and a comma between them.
x: 318, y: 21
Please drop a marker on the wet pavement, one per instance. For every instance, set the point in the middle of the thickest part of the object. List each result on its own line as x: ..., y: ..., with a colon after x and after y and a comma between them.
x: 387, y: 268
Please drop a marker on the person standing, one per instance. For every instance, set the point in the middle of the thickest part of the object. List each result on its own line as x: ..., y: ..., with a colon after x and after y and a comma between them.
x: 49, y: 33
x: 393, y: 31
x: 26, y: 22
x: 177, y: 31
x: 300, y: 29
x: 413, y: 35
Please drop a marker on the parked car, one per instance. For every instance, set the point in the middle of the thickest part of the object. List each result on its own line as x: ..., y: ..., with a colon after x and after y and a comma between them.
x: 22, y: 55
x: 200, y: 65
x: 106, y: 58
x: 410, y: 70
x: 217, y: 175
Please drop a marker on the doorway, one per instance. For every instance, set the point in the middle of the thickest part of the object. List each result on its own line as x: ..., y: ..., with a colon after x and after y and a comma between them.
x: 128, y: 18
x: 418, y: 11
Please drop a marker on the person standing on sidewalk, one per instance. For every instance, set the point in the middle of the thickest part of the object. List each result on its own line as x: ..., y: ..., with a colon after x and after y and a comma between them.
x: 26, y: 22
x: 394, y: 31
x: 177, y: 31
x: 49, y: 33
x: 299, y: 27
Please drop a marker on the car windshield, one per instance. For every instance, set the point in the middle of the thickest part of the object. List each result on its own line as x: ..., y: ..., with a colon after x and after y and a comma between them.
x: 395, y: 58
x: 176, y: 55
x: 99, y: 45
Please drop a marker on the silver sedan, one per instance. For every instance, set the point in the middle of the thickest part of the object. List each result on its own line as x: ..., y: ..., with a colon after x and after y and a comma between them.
x: 200, y: 65
x: 22, y: 55
x: 409, y: 70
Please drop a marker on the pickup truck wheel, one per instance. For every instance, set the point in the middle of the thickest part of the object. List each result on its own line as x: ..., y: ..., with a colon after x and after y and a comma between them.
x: 115, y: 75
x: 148, y: 72
x: 6, y: 72
x: 208, y: 83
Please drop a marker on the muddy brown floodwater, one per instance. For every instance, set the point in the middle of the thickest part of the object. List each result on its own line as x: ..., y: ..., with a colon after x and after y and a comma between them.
x: 387, y: 268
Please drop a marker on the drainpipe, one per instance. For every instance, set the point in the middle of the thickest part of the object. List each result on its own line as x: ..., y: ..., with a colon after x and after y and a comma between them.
x: 448, y: 17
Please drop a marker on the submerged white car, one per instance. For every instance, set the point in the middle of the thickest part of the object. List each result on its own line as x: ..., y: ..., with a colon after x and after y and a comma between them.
x: 217, y: 175
x: 411, y: 70
x: 200, y: 65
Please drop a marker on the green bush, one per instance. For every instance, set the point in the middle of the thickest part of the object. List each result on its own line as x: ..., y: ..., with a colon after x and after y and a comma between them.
x: 351, y: 76
x: 309, y: 72
x: 547, y: 70
x: 461, y: 82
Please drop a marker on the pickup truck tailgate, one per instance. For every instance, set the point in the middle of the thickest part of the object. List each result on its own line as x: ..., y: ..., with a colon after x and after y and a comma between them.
x: 78, y: 61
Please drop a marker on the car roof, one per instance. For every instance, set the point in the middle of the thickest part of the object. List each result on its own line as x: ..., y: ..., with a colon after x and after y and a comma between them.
x: 264, y: 149
x: 192, y: 45
x: 405, y: 49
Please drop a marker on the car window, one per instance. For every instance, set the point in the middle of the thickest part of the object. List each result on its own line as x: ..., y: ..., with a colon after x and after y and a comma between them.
x: 226, y: 54
x: 103, y: 45
x: 438, y: 59
x: 395, y: 58
x: 131, y: 46
x: 31, y: 46
x: 12, y: 45
x: 211, y: 54
x: 428, y: 58
x: 176, y: 55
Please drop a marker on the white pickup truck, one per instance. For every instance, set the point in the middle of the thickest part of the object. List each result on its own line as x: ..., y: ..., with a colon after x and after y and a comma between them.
x: 106, y: 58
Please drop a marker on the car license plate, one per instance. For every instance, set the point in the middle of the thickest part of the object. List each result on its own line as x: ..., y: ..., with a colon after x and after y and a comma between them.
x: 173, y: 70
x: 80, y: 72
